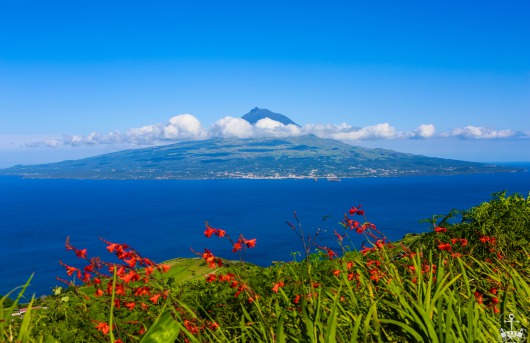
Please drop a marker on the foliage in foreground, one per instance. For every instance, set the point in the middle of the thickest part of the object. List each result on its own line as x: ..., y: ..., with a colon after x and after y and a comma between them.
x: 458, y: 283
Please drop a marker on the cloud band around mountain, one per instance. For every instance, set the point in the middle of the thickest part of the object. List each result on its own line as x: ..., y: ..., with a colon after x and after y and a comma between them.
x: 185, y: 127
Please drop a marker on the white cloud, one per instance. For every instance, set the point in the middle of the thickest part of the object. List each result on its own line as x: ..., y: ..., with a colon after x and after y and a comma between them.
x: 51, y: 142
x: 46, y: 142
x: 345, y: 132
x: 425, y: 131
x: 230, y: 127
x: 268, y: 124
x: 478, y: 132
x: 179, y: 128
x: 271, y: 128
x: 384, y: 131
x: 185, y: 127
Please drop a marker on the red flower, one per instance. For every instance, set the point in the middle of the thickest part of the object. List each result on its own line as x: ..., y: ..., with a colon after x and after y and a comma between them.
x: 209, y: 258
x: 478, y: 297
x: 439, y: 229
x: 86, y: 277
x: 350, y: 223
x: 154, y: 298
x: 495, y: 300
x: 119, y: 290
x: 336, y: 273
x: 484, y: 239
x: 377, y: 263
x: 237, y: 246
x: 72, y: 270
x: 380, y: 243
x: 444, y: 246
x: 356, y: 210
x: 81, y: 253
x: 131, y: 262
x: 251, y: 243
x: 375, y: 275
x: 99, y: 292
x: 366, y: 250
x: 463, y: 242
x: 121, y: 271
x: 132, y: 276
x: 103, y: 328
x: 113, y: 246
x: 240, y: 289
x: 277, y: 286
x: 339, y: 236
x: 368, y: 226
x: 227, y: 277
x: 296, y: 299
x: 330, y: 253
x: 213, y: 231
x: 140, y: 291
x: 149, y: 270
x: 147, y: 262
x: 209, y: 231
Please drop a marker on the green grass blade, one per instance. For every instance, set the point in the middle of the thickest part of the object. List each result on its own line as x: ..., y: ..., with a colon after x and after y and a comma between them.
x: 164, y: 329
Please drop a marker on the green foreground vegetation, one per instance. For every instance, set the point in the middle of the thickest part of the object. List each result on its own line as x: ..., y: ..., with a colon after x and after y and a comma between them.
x: 465, y: 281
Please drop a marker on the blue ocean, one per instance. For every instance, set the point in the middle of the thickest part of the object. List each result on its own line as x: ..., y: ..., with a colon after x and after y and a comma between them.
x: 165, y: 219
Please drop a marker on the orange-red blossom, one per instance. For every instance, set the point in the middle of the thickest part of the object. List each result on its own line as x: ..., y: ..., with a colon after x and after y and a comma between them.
x: 277, y: 286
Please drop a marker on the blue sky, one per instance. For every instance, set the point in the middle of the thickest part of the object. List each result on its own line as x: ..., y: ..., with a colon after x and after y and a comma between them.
x: 448, y: 79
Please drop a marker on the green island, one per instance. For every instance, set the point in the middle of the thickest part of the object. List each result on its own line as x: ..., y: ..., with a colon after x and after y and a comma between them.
x: 467, y: 280
x: 303, y: 157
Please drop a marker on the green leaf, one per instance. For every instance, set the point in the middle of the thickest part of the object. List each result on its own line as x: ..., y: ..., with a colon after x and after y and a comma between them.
x: 165, y: 329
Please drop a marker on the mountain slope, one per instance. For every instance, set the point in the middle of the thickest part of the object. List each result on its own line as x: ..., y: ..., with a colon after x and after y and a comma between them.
x: 295, y: 157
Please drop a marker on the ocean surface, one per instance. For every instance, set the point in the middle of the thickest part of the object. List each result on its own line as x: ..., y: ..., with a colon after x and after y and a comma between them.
x: 164, y: 219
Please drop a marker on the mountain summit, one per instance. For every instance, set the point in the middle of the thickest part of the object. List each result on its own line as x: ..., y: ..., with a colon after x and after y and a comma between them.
x: 257, y: 114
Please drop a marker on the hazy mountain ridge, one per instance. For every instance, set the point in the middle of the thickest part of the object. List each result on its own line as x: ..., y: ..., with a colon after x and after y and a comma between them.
x: 265, y: 158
